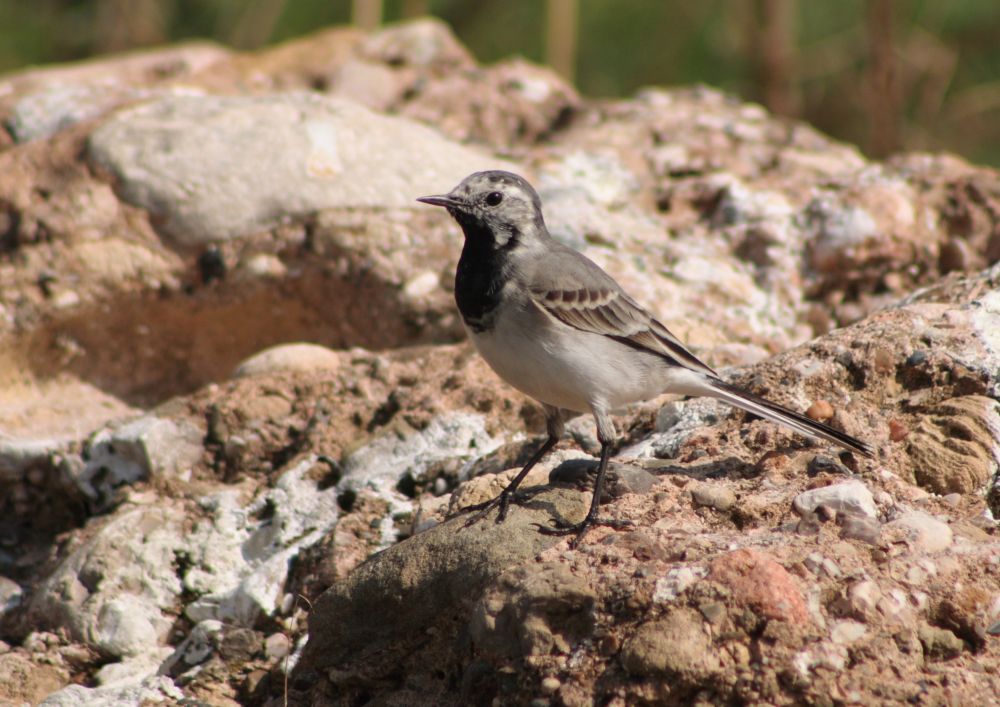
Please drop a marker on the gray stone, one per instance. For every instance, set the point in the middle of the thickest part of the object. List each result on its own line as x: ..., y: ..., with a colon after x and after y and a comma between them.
x: 621, y: 479
x: 149, y: 446
x: 197, y: 647
x: 44, y: 113
x: 127, y: 626
x: 680, y: 421
x: 240, y: 564
x: 17, y: 456
x: 387, y: 603
x: 212, y: 168
x: 152, y: 690
x: 118, y: 590
x: 854, y: 526
x: 276, y: 646
x: 381, y: 463
x: 848, y: 497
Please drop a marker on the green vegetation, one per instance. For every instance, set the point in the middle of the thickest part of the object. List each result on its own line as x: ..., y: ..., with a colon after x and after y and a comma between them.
x: 885, y: 74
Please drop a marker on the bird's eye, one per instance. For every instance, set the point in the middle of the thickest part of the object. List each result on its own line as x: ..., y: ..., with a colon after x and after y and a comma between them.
x: 494, y: 198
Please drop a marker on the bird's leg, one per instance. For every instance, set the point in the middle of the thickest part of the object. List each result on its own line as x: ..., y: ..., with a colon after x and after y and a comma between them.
x: 554, y: 425
x: 606, y: 435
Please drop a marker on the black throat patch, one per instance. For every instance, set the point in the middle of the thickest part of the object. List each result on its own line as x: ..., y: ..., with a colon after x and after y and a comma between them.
x: 480, y: 277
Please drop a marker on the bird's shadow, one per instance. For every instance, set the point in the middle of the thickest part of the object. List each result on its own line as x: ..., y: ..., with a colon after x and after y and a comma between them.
x: 622, y: 478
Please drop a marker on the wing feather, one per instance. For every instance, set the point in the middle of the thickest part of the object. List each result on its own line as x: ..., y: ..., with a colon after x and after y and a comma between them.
x: 612, y: 313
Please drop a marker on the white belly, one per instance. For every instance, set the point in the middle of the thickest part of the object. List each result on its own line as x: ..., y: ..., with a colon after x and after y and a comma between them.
x: 568, y: 368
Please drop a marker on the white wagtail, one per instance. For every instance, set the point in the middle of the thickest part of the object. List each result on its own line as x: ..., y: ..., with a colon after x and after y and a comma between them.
x: 558, y: 328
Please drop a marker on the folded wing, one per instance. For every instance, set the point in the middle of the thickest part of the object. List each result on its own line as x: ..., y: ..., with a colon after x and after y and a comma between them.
x: 608, y: 311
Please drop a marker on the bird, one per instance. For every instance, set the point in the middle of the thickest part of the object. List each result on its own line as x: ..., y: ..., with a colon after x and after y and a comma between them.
x: 551, y: 323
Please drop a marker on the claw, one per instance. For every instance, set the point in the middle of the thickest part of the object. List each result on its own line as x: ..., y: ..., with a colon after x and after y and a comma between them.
x: 580, y: 529
x: 503, y: 501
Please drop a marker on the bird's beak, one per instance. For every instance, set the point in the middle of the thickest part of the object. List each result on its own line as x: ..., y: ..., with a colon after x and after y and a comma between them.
x: 445, y: 200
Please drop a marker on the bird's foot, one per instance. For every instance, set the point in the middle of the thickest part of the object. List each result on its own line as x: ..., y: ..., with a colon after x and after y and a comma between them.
x: 480, y: 510
x: 580, y: 529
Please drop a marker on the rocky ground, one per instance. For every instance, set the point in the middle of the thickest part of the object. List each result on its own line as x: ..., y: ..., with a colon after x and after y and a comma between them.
x: 237, y: 407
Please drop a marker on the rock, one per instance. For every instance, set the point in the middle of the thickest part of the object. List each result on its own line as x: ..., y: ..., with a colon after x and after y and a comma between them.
x: 720, y: 498
x: 677, y: 645
x: 240, y: 560
x: 276, y: 645
x: 847, y: 632
x: 17, y: 456
x: 533, y: 610
x: 24, y: 681
x: 760, y: 583
x: 126, y: 453
x: 847, y: 497
x: 953, y: 448
x: 854, y: 526
x: 126, y: 627
x: 425, y: 42
x: 112, y: 260
x: 152, y: 690
x: 822, y: 464
x: 289, y: 357
x: 939, y: 643
x: 126, y: 566
x: 194, y: 161
x: 197, y: 647
x: 11, y: 595
x: 863, y: 597
x: 925, y: 532
x: 383, y: 462
x: 676, y: 581
x: 387, y: 602
x: 820, y: 410
x: 139, y: 263
x: 621, y: 479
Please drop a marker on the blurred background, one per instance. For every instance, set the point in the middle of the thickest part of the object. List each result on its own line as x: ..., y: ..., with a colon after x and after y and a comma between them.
x: 887, y: 75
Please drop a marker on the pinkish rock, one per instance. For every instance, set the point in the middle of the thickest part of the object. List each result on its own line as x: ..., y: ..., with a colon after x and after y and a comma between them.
x: 758, y: 581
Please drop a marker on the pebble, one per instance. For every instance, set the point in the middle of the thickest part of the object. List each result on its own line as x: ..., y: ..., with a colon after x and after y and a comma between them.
x: 820, y: 464
x: 276, y: 645
x: 621, y: 479
x: 126, y: 626
x: 894, y: 604
x: 863, y: 597
x: 919, y: 573
x: 421, y: 285
x: 11, y: 595
x: 289, y: 357
x: 897, y: 430
x: 264, y: 265
x: 847, y: 631
x: 675, y: 582
x: 721, y: 498
x: 939, y: 643
x: 850, y: 496
x: 820, y: 410
x: 550, y: 685
x: 858, y: 527
x: 924, y: 531
x: 817, y: 564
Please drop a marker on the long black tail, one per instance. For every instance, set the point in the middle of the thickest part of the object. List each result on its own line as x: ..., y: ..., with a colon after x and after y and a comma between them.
x: 783, y: 416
